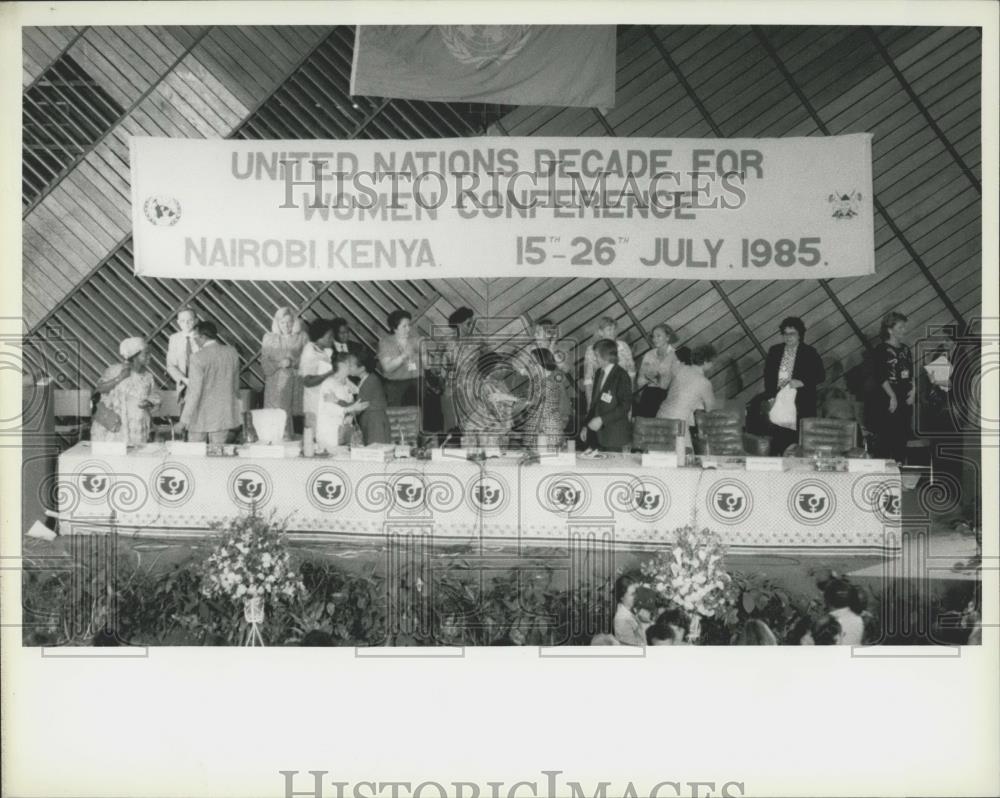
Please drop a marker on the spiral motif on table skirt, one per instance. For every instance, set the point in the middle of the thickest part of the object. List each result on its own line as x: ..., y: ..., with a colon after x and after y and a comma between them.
x: 567, y: 494
x: 60, y: 494
x: 880, y: 495
x: 971, y: 368
x: 127, y: 493
x: 444, y: 492
x: 942, y: 495
x: 867, y: 489
x: 374, y: 493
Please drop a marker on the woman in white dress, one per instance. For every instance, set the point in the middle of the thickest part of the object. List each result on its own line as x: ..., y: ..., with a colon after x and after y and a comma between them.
x: 337, y: 404
x: 128, y: 391
x: 281, y: 350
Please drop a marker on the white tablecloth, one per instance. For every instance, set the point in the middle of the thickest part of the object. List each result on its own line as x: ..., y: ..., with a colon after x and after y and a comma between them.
x: 614, y: 500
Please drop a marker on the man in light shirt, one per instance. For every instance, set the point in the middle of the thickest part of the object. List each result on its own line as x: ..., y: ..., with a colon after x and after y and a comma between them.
x: 180, y: 346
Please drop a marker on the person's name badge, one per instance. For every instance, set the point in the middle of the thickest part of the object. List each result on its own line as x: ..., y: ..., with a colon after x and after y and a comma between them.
x: 606, y: 396
x: 905, y: 374
x: 411, y: 366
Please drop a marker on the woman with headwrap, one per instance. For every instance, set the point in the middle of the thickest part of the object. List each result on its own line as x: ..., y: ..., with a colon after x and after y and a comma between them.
x: 279, y: 359
x: 127, y: 392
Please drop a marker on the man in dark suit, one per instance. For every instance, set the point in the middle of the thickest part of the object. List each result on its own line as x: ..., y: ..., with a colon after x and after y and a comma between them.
x: 341, y: 339
x: 212, y: 407
x: 606, y: 424
x: 374, y: 421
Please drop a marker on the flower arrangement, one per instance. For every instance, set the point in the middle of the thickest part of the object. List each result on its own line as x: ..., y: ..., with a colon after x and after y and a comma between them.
x: 691, y: 573
x: 251, y: 563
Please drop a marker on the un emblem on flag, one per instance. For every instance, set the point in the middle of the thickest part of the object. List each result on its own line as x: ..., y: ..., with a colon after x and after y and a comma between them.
x: 162, y: 211
x: 480, y: 45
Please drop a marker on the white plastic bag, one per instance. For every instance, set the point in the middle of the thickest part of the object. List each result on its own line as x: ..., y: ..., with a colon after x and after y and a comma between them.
x: 782, y: 413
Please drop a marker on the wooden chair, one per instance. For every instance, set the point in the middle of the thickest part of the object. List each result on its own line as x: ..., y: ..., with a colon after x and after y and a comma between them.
x: 72, y: 412
x: 405, y: 422
x: 720, y: 432
x: 656, y: 434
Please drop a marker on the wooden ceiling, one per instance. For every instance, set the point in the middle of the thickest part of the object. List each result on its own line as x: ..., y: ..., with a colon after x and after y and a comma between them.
x: 916, y: 89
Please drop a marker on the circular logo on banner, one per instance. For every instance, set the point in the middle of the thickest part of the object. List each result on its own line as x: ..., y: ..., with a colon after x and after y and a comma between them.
x: 94, y: 479
x: 729, y: 501
x: 651, y: 499
x: 173, y: 484
x: 328, y: 488
x: 811, y: 502
x: 162, y: 211
x: 887, y: 501
x: 480, y: 45
x: 250, y: 486
x: 487, y: 494
x: 563, y: 494
x: 408, y: 492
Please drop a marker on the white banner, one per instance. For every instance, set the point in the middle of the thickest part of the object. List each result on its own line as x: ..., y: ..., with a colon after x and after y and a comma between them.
x: 689, y: 209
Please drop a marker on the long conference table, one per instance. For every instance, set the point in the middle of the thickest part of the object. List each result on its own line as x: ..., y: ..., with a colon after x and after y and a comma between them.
x: 500, y: 502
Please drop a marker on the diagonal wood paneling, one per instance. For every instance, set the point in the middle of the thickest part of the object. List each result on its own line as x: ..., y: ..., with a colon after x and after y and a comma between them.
x: 915, y: 89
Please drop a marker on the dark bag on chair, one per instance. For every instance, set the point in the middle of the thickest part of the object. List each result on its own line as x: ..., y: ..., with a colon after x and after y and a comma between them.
x: 647, y: 400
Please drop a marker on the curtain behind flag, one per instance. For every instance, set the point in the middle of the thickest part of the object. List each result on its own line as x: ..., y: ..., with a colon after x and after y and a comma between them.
x: 565, y: 65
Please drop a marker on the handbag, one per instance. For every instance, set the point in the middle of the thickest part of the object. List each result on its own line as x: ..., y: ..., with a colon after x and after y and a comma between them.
x: 107, y: 417
x: 782, y: 412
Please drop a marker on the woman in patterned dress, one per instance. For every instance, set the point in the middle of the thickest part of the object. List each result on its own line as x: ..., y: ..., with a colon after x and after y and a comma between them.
x: 127, y: 389
x: 549, y: 411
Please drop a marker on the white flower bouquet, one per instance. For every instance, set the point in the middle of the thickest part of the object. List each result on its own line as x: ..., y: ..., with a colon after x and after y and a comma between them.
x: 251, y: 562
x: 691, y: 573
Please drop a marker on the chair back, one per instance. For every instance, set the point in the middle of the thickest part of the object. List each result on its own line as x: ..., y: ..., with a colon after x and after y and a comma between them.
x: 71, y: 404
x: 404, y: 421
x: 169, y: 406
x: 839, y: 435
x: 721, y: 431
x: 656, y: 434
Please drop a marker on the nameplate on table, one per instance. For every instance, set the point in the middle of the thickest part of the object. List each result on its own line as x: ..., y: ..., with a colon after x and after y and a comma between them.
x: 561, y: 459
x: 186, y: 448
x: 109, y: 448
x: 451, y: 453
x: 659, y: 460
x: 264, y: 451
x: 492, y: 451
x: 859, y: 465
x: 765, y: 464
x: 373, y: 453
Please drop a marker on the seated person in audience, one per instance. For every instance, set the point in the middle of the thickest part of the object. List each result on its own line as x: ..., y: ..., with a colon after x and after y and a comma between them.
x: 627, y: 629
x: 670, y: 629
x: 824, y: 632
x: 374, y: 421
x: 607, y: 423
x: 606, y: 330
x: 690, y: 390
x: 337, y: 401
x: 644, y: 607
x: 839, y: 595
x: 755, y: 633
